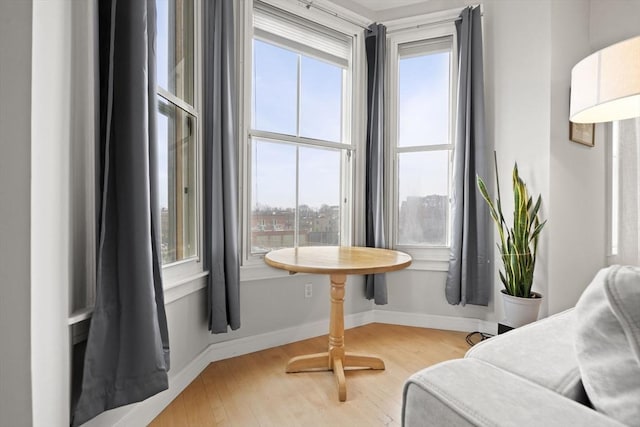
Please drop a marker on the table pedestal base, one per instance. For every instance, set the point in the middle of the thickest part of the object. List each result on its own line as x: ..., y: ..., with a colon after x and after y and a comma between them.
x: 335, y: 359
x: 324, y: 362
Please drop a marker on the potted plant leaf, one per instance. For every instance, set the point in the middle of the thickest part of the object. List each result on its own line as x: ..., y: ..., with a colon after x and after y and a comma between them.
x: 518, y: 247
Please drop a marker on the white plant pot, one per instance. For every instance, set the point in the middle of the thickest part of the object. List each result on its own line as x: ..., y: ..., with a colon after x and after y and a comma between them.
x: 520, y: 311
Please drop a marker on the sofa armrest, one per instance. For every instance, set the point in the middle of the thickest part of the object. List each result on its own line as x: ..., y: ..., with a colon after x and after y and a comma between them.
x: 470, y: 392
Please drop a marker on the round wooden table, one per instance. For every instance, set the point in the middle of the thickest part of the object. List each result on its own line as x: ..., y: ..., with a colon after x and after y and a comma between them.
x: 337, y: 262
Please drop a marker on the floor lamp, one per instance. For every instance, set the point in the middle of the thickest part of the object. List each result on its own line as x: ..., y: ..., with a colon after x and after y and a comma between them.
x: 605, y: 86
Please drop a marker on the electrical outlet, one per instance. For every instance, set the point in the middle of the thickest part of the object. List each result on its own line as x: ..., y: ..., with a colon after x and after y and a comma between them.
x: 308, y: 290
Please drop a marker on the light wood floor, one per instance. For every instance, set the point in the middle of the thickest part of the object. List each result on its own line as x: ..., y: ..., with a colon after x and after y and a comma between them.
x: 254, y: 390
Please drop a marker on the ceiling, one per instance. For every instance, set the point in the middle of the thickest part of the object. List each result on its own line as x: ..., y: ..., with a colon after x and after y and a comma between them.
x: 383, y: 10
x: 380, y: 5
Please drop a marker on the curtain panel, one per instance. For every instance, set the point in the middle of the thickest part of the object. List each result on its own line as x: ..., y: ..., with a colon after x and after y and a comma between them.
x: 469, y: 276
x: 221, y: 250
x: 127, y: 354
x: 375, y: 45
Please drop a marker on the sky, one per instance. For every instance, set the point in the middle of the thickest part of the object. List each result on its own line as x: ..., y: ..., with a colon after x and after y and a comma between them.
x: 162, y: 74
x: 275, y: 110
x: 423, y: 111
x: 423, y: 104
x: 423, y: 99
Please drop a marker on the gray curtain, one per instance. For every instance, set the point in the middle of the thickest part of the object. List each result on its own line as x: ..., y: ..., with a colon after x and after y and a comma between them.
x: 469, y: 277
x: 221, y: 254
x: 127, y: 354
x: 375, y: 44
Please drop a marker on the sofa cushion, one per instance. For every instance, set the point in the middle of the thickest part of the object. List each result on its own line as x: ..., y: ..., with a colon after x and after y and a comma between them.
x: 542, y: 352
x: 607, y: 342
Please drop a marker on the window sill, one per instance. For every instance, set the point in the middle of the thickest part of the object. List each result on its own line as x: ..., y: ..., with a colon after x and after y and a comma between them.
x: 429, y: 265
x: 80, y: 315
x: 182, y: 278
x: 183, y: 286
x: 427, y: 259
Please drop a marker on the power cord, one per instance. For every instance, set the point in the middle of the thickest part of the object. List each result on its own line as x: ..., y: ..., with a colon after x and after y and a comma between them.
x: 472, y: 338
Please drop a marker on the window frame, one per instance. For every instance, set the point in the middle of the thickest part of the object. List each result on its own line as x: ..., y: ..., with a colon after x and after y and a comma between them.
x: 425, y: 257
x: 354, y: 98
x: 621, y: 153
x: 184, y: 271
x: 612, y: 190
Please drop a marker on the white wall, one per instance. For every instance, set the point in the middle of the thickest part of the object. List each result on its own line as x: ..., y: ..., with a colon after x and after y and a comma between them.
x: 15, y: 168
x: 578, y: 193
x: 611, y: 21
x: 577, y: 213
x: 423, y: 293
x: 50, y: 214
x: 517, y: 43
x: 528, y: 67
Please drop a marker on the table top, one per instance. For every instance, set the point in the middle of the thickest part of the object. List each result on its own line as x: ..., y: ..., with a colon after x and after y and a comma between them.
x: 337, y: 259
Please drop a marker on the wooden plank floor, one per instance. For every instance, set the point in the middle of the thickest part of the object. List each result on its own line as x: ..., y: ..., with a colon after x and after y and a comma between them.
x: 254, y: 390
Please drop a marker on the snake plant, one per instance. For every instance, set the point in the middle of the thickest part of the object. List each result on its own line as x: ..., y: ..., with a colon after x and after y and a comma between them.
x: 518, y: 244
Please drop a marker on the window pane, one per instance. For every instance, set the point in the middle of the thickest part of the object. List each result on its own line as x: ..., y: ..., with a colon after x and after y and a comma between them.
x: 319, y: 197
x: 423, y: 208
x: 174, y: 59
x: 275, y: 88
x: 177, y: 177
x: 615, y: 187
x: 625, y: 195
x: 320, y: 100
x: 273, y: 196
x: 423, y: 100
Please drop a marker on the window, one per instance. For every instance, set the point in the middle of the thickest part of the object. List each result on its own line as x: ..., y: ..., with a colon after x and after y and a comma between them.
x: 177, y: 129
x: 299, y: 136
x: 614, y: 189
x: 421, y: 142
x: 624, y: 192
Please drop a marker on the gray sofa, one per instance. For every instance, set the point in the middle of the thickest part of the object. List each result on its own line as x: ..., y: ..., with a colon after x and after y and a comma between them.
x: 580, y: 367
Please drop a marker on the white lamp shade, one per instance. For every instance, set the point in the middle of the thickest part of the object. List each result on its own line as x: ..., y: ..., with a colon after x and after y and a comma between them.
x: 605, y: 86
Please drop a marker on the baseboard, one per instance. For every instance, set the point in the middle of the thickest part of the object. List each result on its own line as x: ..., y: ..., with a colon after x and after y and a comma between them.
x: 144, y: 412
x: 432, y: 321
